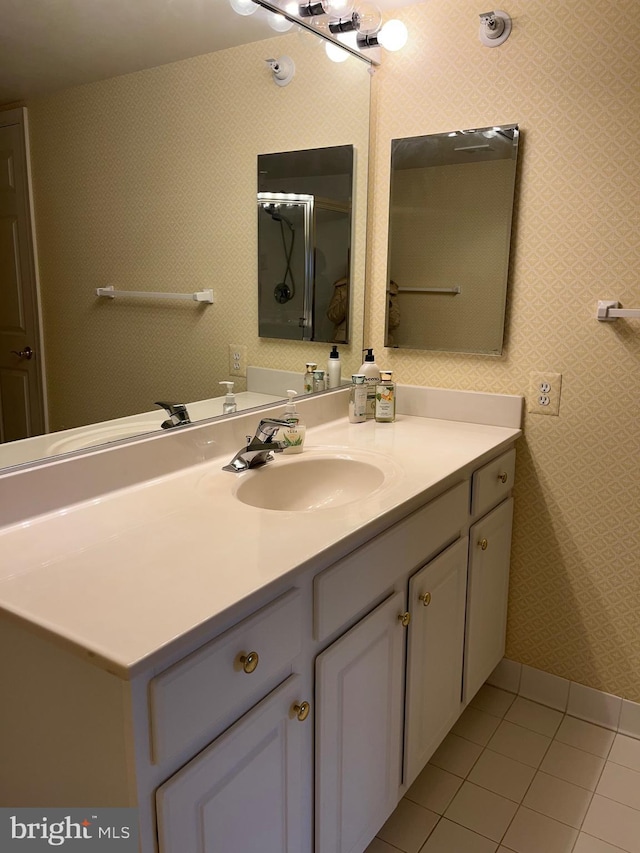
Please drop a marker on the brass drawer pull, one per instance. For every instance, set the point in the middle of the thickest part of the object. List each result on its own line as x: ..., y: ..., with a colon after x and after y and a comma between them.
x: 249, y: 662
x: 302, y: 711
x: 503, y: 477
x: 404, y: 619
x: 425, y: 599
x: 484, y: 544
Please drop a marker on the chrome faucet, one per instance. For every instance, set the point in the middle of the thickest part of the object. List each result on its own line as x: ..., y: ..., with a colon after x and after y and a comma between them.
x: 178, y: 415
x: 260, y: 448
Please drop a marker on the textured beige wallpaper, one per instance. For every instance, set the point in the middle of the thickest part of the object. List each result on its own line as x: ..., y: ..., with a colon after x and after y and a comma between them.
x: 147, y: 182
x: 572, y: 85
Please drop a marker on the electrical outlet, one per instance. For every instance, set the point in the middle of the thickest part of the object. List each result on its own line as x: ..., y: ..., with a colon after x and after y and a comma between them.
x: 237, y: 360
x: 544, y: 393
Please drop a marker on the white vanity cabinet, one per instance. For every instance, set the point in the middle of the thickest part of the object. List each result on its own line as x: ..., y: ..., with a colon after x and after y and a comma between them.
x: 437, y: 598
x: 294, y: 720
x: 244, y: 792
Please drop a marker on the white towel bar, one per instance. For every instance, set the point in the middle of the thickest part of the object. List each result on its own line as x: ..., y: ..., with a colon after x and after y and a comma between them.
x: 609, y: 309
x: 199, y: 296
x: 430, y: 289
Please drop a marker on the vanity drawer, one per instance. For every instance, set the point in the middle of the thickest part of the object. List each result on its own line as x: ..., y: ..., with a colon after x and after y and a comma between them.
x: 492, y: 482
x: 347, y: 588
x: 191, y: 700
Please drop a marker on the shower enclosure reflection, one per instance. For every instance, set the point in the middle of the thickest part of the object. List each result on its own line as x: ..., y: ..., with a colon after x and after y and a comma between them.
x: 304, y: 240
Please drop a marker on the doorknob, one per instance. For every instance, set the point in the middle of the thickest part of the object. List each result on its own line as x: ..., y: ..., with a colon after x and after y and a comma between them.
x: 27, y: 353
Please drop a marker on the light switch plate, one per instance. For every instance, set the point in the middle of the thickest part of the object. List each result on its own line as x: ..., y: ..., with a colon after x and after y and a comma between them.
x: 544, y: 393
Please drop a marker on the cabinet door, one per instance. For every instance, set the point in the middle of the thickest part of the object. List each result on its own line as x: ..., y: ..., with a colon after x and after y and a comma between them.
x: 359, y: 700
x: 243, y: 793
x: 489, y: 556
x: 437, y: 596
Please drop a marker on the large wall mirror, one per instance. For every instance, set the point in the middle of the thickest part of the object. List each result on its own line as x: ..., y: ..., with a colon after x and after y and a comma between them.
x: 450, y: 226
x: 146, y: 181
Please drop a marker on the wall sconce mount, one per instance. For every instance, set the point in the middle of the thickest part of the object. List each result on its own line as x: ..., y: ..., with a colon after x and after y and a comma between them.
x: 495, y: 28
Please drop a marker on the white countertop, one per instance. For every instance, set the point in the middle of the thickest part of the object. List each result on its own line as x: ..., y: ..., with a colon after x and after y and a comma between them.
x: 122, y: 575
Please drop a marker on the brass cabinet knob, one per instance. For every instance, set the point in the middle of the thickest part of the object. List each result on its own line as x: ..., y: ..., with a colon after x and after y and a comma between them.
x: 302, y: 711
x: 425, y: 599
x: 249, y: 662
x: 503, y: 477
x: 404, y: 619
x: 484, y: 544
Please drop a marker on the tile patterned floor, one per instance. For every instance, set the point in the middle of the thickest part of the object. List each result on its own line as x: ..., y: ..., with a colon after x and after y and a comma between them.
x: 517, y: 777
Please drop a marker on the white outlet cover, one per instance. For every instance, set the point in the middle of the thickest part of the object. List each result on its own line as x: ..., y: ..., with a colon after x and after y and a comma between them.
x: 544, y: 386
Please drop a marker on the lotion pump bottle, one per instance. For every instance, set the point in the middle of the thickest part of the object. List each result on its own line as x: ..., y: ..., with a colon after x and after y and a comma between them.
x: 372, y: 374
x: 333, y: 369
x: 292, y: 435
x: 229, y: 404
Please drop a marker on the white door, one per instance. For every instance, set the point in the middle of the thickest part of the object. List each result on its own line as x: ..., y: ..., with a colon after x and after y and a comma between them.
x: 243, y: 794
x: 359, y: 701
x: 488, y: 593
x: 21, y: 400
x: 437, y: 597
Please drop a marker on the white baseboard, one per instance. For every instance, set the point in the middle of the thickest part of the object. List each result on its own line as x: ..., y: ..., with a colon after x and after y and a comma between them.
x: 586, y: 703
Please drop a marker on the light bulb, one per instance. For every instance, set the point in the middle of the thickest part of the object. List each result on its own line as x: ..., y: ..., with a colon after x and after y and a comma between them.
x: 243, y: 7
x: 338, y: 8
x: 278, y: 22
x: 335, y: 53
x: 369, y: 18
x: 393, y: 35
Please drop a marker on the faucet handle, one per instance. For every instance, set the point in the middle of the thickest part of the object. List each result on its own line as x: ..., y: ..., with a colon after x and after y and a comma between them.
x: 178, y: 415
x: 267, y: 428
x: 171, y: 408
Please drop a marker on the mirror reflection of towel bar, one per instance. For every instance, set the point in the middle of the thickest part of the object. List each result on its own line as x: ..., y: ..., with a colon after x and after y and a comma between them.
x: 199, y: 296
x: 430, y: 290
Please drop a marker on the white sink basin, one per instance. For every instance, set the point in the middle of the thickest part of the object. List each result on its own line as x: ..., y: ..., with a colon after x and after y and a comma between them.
x: 309, y: 484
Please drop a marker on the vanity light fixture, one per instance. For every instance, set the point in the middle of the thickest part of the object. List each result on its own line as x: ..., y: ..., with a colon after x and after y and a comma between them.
x: 278, y: 22
x: 283, y: 70
x: 495, y: 28
x: 243, y: 7
x: 392, y: 36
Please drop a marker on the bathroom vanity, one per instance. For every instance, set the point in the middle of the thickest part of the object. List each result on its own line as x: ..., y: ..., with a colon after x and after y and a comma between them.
x: 253, y: 679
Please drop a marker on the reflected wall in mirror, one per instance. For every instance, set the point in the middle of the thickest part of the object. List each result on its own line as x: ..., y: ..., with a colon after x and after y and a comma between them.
x: 304, y: 244
x: 449, y: 237
x: 146, y: 182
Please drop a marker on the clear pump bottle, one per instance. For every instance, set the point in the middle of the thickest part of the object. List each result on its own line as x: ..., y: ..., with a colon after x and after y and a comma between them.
x: 229, y: 404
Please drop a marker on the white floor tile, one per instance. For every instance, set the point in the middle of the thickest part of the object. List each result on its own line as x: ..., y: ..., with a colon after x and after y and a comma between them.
x: 456, y: 755
x: 408, y: 827
x: 586, y: 736
x: 476, y: 726
x: 502, y: 775
x: 531, y: 832
x: 573, y: 765
x: 492, y: 700
x: 532, y: 715
x: 379, y: 846
x: 626, y: 751
x: 597, y: 707
x: 434, y: 789
x: 630, y: 719
x: 589, y: 844
x: 539, y: 686
x: 612, y: 822
x: 519, y: 743
x: 620, y: 784
x: 558, y: 799
x: 481, y: 811
x: 449, y: 837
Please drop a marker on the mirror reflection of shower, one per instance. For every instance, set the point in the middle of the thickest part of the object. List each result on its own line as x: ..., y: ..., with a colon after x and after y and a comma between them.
x: 282, y: 291
x: 304, y: 244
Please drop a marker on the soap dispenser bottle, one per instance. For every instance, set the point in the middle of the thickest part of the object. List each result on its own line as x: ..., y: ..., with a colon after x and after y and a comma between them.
x: 293, y: 434
x: 229, y: 404
x: 372, y: 374
x: 333, y: 369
